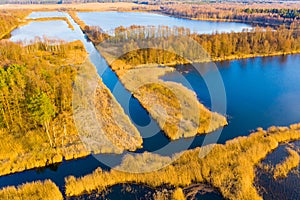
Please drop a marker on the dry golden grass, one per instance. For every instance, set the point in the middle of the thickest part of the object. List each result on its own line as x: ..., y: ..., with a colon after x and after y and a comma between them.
x: 173, y: 106
x: 229, y: 167
x: 116, y: 125
x: 178, y: 194
x: 45, y: 190
x: 101, y: 121
x: 292, y: 161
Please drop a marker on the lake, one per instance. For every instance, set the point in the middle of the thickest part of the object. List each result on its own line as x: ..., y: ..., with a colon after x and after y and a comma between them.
x: 261, y: 92
x: 54, y: 30
x: 111, y: 20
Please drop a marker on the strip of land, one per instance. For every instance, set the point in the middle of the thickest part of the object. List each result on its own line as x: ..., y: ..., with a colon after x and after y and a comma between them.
x: 10, y: 20
x: 101, y: 122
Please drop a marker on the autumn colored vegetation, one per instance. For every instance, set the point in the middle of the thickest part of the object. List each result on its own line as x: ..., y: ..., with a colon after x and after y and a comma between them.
x: 173, y: 106
x: 10, y: 20
x: 101, y: 122
x: 132, y: 51
x: 229, y: 167
x: 36, y: 123
x: 37, y: 126
x: 45, y: 190
x: 218, y: 46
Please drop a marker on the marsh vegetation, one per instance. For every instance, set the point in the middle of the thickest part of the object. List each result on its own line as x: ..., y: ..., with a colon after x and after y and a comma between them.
x: 101, y: 122
x: 229, y: 167
x: 46, y: 190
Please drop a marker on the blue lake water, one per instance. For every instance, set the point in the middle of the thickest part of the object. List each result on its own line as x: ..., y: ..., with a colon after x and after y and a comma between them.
x: 110, y: 20
x: 53, y: 30
x: 261, y: 92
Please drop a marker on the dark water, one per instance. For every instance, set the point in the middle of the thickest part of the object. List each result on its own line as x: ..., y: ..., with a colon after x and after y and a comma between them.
x: 110, y: 20
x: 283, y: 188
x: 260, y: 92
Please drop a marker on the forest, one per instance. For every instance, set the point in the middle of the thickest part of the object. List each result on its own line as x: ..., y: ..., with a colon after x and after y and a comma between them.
x: 219, y: 46
x: 270, y: 14
x: 36, y: 123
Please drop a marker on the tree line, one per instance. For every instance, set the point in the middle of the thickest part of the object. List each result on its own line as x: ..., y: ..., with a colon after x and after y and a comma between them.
x: 265, y: 14
x: 282, y: 12
x: 219, y: 46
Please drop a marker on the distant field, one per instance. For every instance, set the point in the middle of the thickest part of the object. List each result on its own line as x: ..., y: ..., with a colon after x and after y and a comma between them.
x: 81, y: 6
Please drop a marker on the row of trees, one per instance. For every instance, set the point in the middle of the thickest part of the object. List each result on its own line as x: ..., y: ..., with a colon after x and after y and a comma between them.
x: 257, y: 42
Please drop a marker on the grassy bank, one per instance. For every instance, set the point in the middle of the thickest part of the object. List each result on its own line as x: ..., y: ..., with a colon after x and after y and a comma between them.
x: 45, y: 190
x: 101, y: 121
x: 229, y: 167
